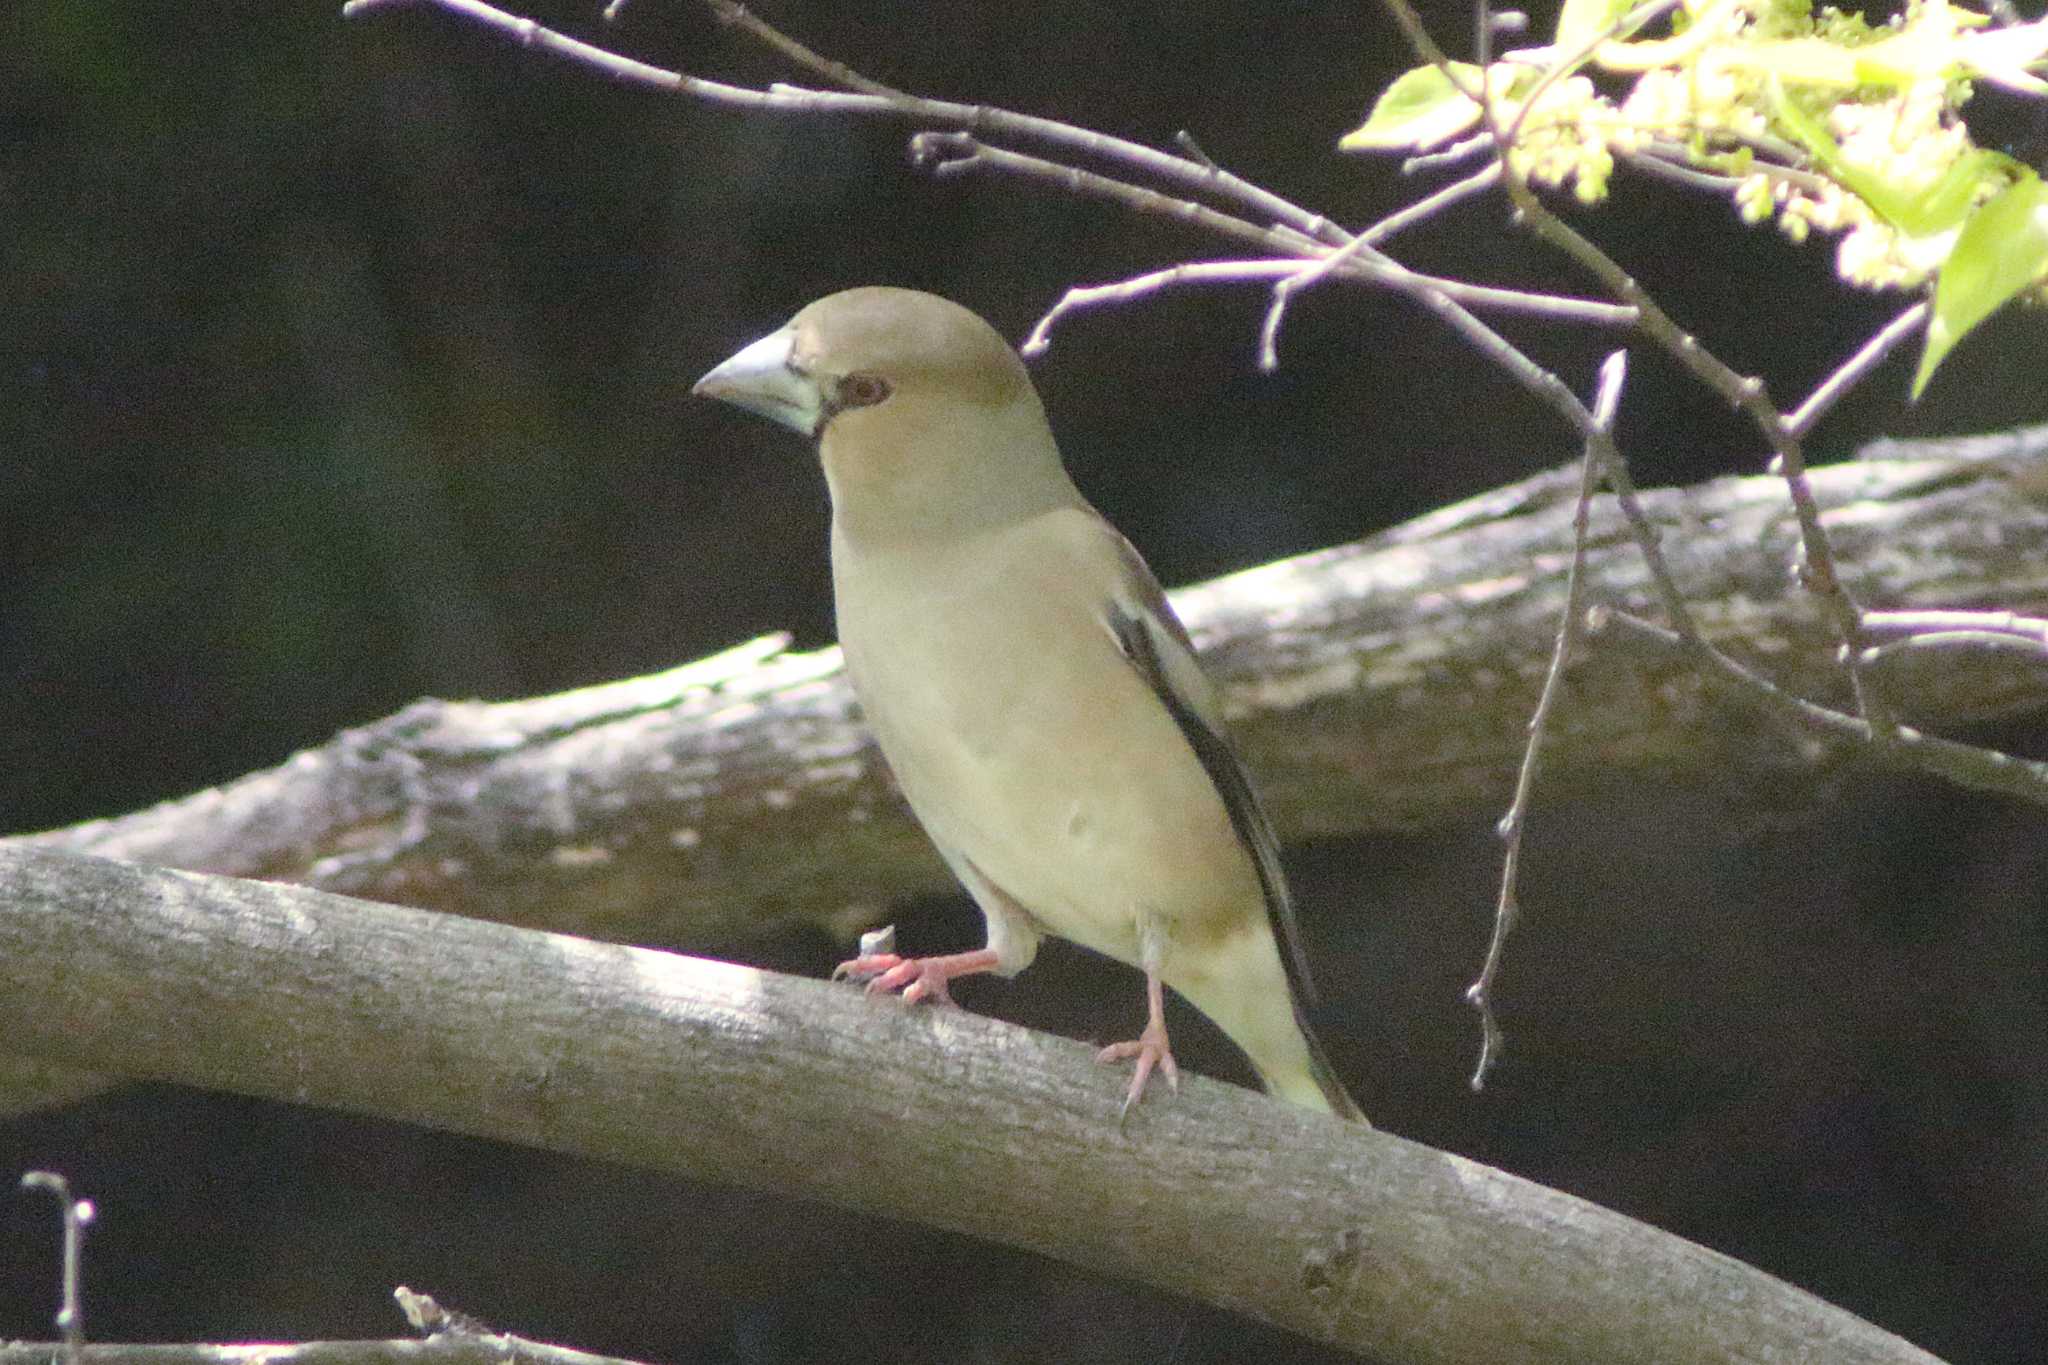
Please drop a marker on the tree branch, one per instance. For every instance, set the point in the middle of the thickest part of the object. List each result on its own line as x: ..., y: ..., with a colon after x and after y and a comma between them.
x: 1379, y: 686
x: 717, y: 1072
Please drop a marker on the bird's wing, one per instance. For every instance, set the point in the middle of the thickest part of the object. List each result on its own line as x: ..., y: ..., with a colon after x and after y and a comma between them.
x: 1155, y: 642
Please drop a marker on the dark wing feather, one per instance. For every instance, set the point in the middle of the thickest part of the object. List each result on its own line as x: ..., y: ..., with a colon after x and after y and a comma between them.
x: 1153, y: 639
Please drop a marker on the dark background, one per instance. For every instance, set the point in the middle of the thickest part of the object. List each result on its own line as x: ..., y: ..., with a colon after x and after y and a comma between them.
x: 342, y: 363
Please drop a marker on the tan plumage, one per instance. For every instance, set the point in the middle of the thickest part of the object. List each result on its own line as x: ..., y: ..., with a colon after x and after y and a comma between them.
x: 1030, y: 687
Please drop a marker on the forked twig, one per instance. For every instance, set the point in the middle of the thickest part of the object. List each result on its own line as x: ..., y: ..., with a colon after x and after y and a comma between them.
x: 1570, y: 631
x: 1350, y: 262
x: 78, y: 1215
x: 1852, y: 372
x: 738, y: 16
x: 1817, y: 569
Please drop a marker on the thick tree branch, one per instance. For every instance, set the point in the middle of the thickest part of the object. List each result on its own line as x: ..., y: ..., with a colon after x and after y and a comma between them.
x: 723, y: 1073
x: 1380, y: 686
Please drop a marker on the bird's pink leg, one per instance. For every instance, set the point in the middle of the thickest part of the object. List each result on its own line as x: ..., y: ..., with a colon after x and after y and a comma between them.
x: 1150, y: 1047
x: 919, y: 978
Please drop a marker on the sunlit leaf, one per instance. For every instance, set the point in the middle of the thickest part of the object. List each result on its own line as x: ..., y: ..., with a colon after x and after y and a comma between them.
x: 1932, y: 47
x: 2004, y: 54
x: 1581, y: 21
x: 1420, y: 110
x: 1802, y: 61
x: 1917, y: 213
x: 1947, y: 201
x: 2002, y: 250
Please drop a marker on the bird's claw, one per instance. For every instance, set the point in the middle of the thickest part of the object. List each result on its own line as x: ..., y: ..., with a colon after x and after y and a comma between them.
x: 918, y: 978
x: 1152, y: 1052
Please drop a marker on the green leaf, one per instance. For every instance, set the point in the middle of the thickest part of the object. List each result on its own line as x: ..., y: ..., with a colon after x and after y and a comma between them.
x: 1581, y: 21
x: 1947, y: 201
x: 1919, y: 213
x: 1420, y: 110
x: 2002, y: 250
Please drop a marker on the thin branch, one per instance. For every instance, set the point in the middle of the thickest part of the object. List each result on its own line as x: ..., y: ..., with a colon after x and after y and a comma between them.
x: 1571, y: 628
x: 1966, y: 765
x: 839, y: 73
x: 1817, y: 569
x: 1652, y: 164
x: 1286, y: 289
x: 1185, y: 140
x: 1854, y: 371
x: 970, y: 118
x: 950, y: 154
x: 1895, y: 624
x: 1671, y: 155
x: 1348, y: 259
x: 77, y: 1215
x: 1428, y: 207
x: 1456, y: 154
x: 1558, y: 68
x: 1289, y: 272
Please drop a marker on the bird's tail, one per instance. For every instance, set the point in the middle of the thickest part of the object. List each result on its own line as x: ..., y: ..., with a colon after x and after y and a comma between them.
x: 1315, y: 1085
x: 1247, y: 993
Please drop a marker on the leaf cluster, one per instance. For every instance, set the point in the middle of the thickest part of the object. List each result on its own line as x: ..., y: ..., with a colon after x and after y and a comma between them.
x: 1807, y: 116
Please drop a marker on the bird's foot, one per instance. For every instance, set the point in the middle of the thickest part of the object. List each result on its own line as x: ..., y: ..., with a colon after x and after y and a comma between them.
x: 919, y: 978
x: 1152, y: 1052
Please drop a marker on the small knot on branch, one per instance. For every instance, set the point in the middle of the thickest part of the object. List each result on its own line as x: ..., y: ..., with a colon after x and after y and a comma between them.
x: 945, y: 154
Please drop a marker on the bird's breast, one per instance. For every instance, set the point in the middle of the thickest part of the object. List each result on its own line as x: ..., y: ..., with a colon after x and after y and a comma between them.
x: 1023, y: 738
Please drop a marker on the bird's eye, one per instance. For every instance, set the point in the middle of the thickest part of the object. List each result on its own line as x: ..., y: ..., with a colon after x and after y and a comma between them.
x: 861, y: 391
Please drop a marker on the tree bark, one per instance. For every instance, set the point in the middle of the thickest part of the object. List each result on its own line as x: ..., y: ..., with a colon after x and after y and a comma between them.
x: 718, y: 1072
x: 1379, y: 686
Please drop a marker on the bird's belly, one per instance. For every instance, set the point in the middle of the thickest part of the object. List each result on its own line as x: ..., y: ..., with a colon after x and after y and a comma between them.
x: 1088, y: 836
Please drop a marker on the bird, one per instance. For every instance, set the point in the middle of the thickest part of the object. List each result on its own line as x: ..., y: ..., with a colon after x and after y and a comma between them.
x: 1027, y: 682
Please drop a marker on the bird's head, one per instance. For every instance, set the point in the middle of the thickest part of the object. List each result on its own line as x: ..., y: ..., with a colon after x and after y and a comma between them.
x: 918, y: 406
x: 865, y: 349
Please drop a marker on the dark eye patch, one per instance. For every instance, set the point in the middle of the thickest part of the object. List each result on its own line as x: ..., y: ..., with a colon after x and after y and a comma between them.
x: 860, y: 391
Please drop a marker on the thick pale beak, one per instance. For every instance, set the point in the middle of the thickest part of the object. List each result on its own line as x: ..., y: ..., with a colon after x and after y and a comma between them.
x: 761, y: 379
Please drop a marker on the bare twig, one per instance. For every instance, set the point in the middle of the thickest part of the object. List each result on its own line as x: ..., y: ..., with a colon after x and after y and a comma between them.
x: 839, y: 73
x: 1557, y: 69
x: 1286, y: 272
x: 1286, y: 289
x: 978, y: 119
x: 1197, y: 172
x: 951, y: 154
x: 1457, y: 153
x: 1883, y: 625
x: 1663, y: 169
x: 429, y: 1317
x: 1965, y: 765
x: 1817, y: 567
x: 1570, y: 630
x: 1185, y: 140
x: 1360, y: 257
x: 1404, y: 218
x: 1854, y: 371
x: 78, y: 1215
x: 1663, y: 156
